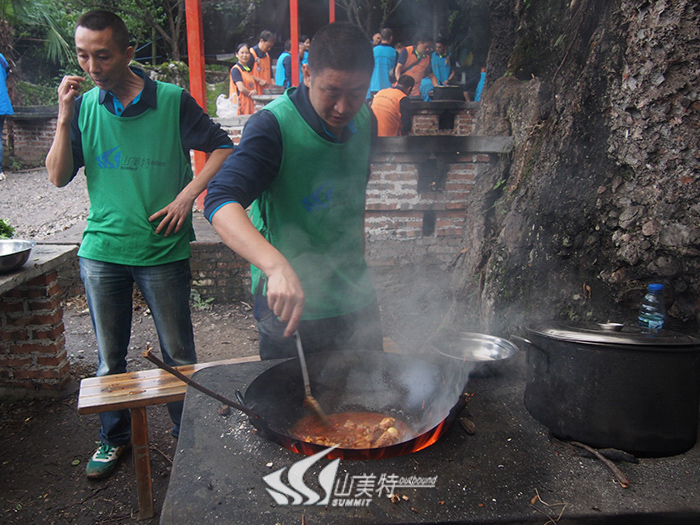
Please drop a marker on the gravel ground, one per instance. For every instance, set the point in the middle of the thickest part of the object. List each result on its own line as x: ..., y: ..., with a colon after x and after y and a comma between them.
x: 37, y: 209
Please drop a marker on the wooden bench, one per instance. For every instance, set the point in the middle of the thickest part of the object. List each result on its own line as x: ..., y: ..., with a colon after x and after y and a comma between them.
x: 136, y: 391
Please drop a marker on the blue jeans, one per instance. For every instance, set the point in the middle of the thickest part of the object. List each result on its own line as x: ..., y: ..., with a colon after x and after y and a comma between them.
x: 358, y: 331
x: 109, y: 290
x: 2, y: 150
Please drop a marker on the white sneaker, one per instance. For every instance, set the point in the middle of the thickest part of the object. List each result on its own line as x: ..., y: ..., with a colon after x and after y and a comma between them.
x: 2, y: 176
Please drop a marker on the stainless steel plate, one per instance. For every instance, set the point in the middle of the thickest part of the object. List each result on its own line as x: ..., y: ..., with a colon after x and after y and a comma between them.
x: 472, y: 347
x: 14, y: 253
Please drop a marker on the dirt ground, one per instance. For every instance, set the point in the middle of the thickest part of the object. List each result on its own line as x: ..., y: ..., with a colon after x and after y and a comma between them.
x: 45, y: 444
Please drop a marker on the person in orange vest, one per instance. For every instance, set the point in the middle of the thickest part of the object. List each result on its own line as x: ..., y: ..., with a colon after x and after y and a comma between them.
x: 392, y: 107
x: 260, y: 62
x: 242, y: 82
x: 415, y: 61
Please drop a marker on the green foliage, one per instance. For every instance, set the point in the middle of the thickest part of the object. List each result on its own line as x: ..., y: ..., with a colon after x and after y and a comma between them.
x: 6, y: 231
x: 213, y: 92
x: 27, y: 94
x: 198, y: 303
x: 47, y: 22
x: 175, y: 72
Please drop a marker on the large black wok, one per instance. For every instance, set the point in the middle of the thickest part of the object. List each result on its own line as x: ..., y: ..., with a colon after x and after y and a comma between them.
x: 408, y: 388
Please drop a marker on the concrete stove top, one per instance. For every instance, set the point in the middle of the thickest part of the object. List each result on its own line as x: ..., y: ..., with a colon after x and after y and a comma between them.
x: 509, y: 471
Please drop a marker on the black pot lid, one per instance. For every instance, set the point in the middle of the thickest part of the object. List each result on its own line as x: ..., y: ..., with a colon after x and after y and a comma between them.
x: 611, y: 334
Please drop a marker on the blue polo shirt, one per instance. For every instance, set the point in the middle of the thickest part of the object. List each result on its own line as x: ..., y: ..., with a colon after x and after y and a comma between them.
x: 197, y: 130
x: 256, y: 161
x: 442, y: 67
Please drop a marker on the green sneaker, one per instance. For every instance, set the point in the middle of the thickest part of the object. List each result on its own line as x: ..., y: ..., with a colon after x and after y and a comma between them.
x: 103, y: 461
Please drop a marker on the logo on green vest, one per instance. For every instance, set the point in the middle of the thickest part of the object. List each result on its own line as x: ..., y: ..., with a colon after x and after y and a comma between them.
x: 319, y: 199
x: 109, y: 160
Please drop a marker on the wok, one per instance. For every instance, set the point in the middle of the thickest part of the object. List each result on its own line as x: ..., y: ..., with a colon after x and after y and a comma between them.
x: 410, y: 389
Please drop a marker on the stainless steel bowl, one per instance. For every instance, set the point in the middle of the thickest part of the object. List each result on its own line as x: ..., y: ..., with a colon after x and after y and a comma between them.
x: 480, y: 351
x: 14, y: 253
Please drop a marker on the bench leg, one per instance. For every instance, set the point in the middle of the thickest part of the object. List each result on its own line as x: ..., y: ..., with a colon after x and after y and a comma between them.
x: 142, y: 462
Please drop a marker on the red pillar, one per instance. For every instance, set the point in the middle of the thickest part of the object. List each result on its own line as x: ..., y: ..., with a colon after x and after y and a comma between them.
x: 294, y: 34
x: 195, y: 50
x: 331, y: 11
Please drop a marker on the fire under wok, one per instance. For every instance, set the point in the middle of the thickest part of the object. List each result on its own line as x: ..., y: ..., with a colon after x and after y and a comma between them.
x: 422, y: 397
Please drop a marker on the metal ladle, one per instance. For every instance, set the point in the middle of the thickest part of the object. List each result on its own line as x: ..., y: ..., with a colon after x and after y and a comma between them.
x: 309, y: 400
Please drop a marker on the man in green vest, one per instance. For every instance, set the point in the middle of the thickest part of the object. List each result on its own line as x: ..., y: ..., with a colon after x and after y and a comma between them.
x: 134, y: 136
x: 301, y: 169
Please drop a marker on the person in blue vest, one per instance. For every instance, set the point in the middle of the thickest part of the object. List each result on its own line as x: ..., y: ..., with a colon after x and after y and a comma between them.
x: 480, y: 85
x: 441, y: 64
x: 5, y: 105
x: 301, y: 168
x: 476, y: 83
x: 304, y: 41
x: 284, y: 65
x: 283, y: 71
x: 133, y: 136
x: 385, y: 57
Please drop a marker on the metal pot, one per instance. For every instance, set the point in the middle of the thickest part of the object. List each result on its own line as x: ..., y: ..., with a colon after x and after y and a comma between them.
x: 448, y: 93
x: 274, y: 90
x: 14, y: 253
x: 608, y: 385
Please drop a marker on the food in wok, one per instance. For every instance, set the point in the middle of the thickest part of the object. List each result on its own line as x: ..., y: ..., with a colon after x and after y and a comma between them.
x: 356, y: 430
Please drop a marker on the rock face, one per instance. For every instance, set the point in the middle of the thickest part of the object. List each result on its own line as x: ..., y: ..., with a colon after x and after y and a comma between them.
x: 601, y: 194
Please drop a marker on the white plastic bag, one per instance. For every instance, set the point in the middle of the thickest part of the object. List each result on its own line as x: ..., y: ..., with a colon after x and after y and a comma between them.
x: 225, y: 108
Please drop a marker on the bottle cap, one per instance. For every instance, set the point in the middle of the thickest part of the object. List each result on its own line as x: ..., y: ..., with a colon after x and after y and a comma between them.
x: 655, y: 287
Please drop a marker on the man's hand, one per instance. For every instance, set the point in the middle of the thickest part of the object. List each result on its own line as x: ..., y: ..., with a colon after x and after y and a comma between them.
x: 174, y: 214
x: 286, y: 298
x: 59, y: 160
x: 285, y: 295
x: 68, y: 91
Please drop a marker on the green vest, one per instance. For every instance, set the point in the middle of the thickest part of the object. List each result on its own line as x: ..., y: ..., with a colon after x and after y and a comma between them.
x: 313, y: 212
x: 134, y: 167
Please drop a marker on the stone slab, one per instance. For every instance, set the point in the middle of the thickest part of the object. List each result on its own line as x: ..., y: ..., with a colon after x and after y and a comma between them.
x: 503, y: 473
x: 42, y: 259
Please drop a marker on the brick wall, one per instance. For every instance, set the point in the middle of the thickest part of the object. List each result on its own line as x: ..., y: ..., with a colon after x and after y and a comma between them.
x: 32, y: 343
x: 217, y: 272
x: 417, y: 201
x: 30, y: 139
x: 444, y: 118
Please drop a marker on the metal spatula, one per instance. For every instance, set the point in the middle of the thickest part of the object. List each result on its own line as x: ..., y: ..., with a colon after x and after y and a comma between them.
x: 309, y: 399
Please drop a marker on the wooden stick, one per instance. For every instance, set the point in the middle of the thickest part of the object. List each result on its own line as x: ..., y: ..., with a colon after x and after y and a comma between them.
x: 621, y: 478
x: 182, y: 377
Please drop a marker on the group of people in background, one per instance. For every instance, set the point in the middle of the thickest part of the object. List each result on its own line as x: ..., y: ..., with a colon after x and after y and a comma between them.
x: 423, y: 69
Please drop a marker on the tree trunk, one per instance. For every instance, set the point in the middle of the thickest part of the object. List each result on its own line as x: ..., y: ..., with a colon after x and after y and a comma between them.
x: 600, y: 195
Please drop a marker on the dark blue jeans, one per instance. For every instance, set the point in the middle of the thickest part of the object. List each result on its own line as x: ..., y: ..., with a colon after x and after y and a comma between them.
x: 109, y: 290
x: 357, y: 331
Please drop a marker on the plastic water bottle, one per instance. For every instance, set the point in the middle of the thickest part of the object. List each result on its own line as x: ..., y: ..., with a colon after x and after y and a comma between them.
x: 653, y: 309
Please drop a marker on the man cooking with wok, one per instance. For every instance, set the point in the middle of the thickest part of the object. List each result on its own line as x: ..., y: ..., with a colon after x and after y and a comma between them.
x: 301, y: 168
